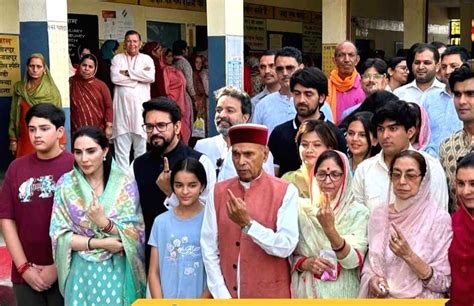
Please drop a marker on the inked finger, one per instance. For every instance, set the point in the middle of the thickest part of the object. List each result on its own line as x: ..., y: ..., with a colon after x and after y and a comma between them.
x: 166, y: 165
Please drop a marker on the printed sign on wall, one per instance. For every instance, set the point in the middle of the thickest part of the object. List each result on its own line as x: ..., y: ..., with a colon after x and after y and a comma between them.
x: 9, y: 63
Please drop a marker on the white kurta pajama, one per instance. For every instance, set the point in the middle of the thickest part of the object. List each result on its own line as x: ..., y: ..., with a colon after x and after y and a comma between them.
x: 129, y: 94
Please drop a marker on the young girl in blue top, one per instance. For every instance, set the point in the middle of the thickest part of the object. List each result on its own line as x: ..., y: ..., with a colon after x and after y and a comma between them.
x: 176, y: 266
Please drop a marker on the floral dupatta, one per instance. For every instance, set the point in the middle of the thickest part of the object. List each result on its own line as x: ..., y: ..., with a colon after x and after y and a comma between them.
x: 350, y: 220
x: 120, y: 198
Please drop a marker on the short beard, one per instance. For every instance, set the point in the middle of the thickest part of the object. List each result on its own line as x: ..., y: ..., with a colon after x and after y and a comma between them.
x: 310, y: 112
x: 427, y: 79
x: 157, y: 150
x: 223, y: 131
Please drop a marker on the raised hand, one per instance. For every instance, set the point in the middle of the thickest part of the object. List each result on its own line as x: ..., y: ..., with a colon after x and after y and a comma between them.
x: 325, y: 214
x: 163, y: 181
x: 237, y: 210
x: 399, y: 245
x: 96, y: 214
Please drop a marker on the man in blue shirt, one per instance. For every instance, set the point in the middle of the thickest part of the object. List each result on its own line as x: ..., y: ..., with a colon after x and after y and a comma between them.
x: 278, y: 107
x: 439, y: 103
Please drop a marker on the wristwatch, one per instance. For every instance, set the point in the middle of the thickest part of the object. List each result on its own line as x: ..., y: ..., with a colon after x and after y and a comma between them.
x: 246, y: 228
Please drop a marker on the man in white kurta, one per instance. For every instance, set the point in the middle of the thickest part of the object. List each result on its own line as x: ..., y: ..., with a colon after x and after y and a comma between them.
x: 233, y: 107
x: 132, y: 73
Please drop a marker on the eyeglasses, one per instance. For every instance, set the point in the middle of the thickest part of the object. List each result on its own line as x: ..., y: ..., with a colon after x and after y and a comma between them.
x: 409, y: 176
x: 375, y: 76
x: 404, y: 68
x: 289, y: 68
x: 160, y: 126
x: 334, y: 176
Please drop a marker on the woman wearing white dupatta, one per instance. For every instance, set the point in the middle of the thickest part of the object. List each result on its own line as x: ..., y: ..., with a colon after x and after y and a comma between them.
x: 339, y: 226
x: 409, y: 238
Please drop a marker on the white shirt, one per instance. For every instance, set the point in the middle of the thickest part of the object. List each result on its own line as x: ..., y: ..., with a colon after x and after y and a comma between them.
x: 216, y: 148
x: 412, y: 93
x: 280, y: 243
x: 371, y: 182
x: 130, y: 92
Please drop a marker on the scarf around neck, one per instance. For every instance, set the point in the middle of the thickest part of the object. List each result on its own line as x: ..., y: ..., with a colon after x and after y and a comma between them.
x: 337, y: 84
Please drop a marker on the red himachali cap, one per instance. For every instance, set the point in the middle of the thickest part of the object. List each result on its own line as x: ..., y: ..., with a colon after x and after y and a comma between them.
x: 252, y: 133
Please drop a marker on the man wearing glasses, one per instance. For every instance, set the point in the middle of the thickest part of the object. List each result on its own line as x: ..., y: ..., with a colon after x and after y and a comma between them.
x: 162, y: 126
x: 344, y: 82
x: 374, y: 79
x: 439, y: 103
x: 424, y: 68
x: 395, y: 123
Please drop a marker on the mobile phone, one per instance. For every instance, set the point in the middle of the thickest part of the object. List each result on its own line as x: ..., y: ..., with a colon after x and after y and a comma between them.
x: 330, y: 256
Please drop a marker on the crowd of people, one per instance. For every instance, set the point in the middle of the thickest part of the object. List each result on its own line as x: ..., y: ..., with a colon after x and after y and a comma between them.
x: 356, y: 185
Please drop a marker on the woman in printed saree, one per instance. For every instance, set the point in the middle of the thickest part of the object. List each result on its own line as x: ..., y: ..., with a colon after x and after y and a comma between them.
x: 97, y: 228
x: 91, y: 102
x: 37, y: 87
x: 333, y: 234
x: 313, y: 138
x: 409, y: 237
x: 461, y: 251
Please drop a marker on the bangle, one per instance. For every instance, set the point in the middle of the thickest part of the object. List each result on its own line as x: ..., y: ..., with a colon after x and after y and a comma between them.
x: 109, y: 228
x: 89, y: 244
x: 23, y: 268
x: 429, y: 276
x: 299, y: 263
x: 341, y: 247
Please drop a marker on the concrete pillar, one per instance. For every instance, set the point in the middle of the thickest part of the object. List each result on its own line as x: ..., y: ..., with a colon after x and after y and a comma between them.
x: 467, y: 15
x: 414, y: 22
x: 225, y: 30
x: 43, y: 29
x: 336, y: 16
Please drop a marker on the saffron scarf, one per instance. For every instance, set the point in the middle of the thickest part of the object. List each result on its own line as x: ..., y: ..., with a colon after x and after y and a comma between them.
x: 337, y: 84
x: 120, y: 199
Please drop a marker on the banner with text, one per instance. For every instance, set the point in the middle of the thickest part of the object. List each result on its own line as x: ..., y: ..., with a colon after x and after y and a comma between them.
x: 9, y: 63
